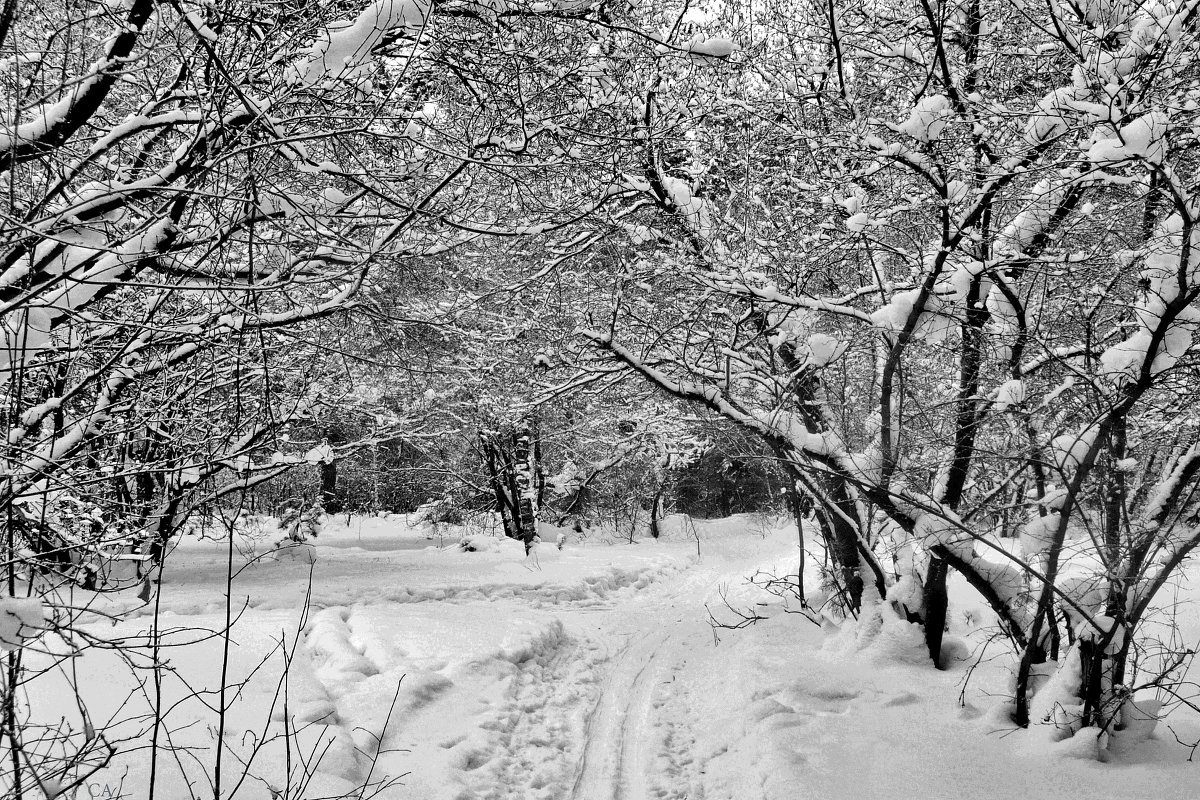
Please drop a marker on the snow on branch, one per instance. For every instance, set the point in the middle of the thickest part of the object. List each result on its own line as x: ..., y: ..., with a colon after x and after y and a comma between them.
x: 344, y: 46
x: 53, y: 124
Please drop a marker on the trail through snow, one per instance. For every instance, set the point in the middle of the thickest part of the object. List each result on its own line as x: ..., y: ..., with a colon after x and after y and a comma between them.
x: 592, y: 674
x: 618, y: 762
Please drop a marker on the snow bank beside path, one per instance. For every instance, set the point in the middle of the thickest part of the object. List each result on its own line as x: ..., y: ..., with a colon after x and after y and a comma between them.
x: 771, y: 713
x: 427, y: 702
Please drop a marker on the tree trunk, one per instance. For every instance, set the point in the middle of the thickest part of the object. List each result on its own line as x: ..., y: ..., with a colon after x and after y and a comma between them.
x: 936, y: 602
x: 656, y: 508
x: 329, y: 494
x: 799, y: 506
x: 525, y: 469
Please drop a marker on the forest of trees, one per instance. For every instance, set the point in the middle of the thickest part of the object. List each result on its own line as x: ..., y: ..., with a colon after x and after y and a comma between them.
x: 927, y: 270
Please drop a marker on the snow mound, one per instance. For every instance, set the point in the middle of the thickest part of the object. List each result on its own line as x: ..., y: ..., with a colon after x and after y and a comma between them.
x: 21, y: 619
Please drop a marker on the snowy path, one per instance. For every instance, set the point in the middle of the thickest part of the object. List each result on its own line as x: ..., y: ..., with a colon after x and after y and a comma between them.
x: 637, y: 724
x: 593, y: 675
x: 613, y: 765
x: 639, y: 735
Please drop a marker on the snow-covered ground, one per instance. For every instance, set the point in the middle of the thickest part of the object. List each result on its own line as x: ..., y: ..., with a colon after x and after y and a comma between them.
x: 586, y: 674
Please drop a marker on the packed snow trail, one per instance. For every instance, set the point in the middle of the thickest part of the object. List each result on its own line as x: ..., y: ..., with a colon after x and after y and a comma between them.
x: 638, y: 734
x: 633, y: 728
x: 612, y: 767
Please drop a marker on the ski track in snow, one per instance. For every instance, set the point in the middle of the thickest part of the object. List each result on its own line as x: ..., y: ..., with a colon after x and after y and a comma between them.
x: 622, y: 729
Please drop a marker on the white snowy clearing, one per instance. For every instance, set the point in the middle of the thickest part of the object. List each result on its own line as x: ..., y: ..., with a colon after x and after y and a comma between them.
x: 590, y: 673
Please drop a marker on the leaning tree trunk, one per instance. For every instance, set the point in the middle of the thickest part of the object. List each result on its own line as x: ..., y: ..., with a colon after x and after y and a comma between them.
x: 836, y: 512
x: 837, y: 518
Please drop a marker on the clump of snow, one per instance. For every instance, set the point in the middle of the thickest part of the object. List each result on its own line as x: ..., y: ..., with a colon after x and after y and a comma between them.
x: 1068, y: 450
x: 1043, y: 200
x: 1056, y: 701
x: 1126, y: 465
x: 1037, y: 535
x: 1054, y: 500
x: 1048, y: 119
x: 933, y: 324
x: 823, y: 349
x: 858, y: 223
x: 880, y: 635
x: 715, y: 47
x: 956, y: 191
x: 1144, y: 138
x: 1163, y: 265
x: 944, y: 529
x: 928, y: 118
x: 518, y: 649
x: 1124, y: 359
x: 1139, y: 718
x: 345, y: 45
x: 954, y: 286
x: 893, y: 315
x: 23, y: 333
x: 321, y: 454
x: 334, y: 196
x: 329, y: 641
x: 695, y: 209
x: 1009, y: 395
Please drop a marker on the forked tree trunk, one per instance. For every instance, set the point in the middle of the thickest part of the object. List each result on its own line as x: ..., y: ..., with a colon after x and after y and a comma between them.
x: 499, y: 466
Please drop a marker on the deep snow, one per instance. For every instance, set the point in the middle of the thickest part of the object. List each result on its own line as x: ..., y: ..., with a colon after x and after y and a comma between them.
x: 590, y: 673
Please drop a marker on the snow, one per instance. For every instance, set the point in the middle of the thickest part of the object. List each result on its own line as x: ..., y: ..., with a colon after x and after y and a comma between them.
x: 823, y: 349
x: 586, y: 673
x: 1038, y: 535
x: 1144, y: 138
x: 944, y: 529
x: 1068, y: 450
x: 1049, y: 120
x: 858, y: 222
x: 345, y: 45
x: 321, y: 454
x: 694, y: 209
x: 21, y: 619
x: 1010, y: 394
x: 895, y: 314
x: 931, y: 324
x: 716, y: 47
x: 334, y: 196
x: 202, y: 30
x: 78, y: 258
x: 928, y: 118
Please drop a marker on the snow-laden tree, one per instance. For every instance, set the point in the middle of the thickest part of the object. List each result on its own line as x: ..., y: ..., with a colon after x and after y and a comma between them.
x: 192, y: 192
x: 942, y: 258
